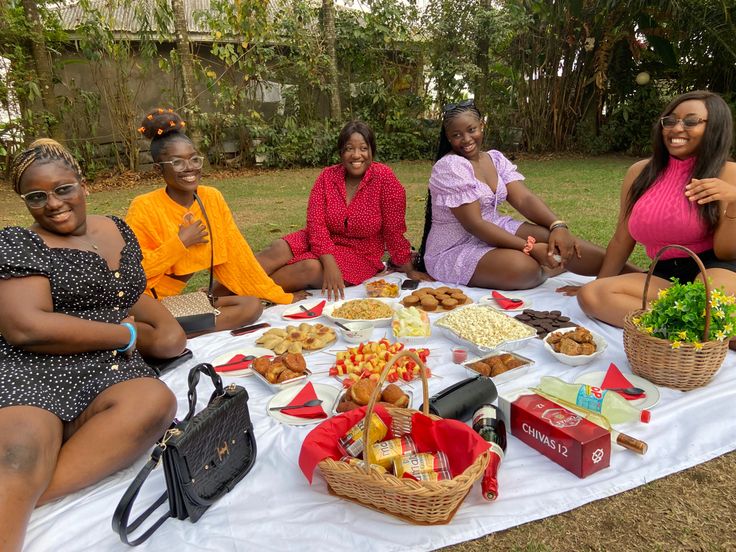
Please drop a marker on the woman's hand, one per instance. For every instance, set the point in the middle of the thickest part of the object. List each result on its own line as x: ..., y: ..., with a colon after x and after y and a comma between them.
x: 192, y: 232
x: 300, y: 295
x: 332, y: 280
x: 570, y: 291
x: 707, y: 190
x: 419, y: 275
x: 563, y: 243
x: 540, y: 253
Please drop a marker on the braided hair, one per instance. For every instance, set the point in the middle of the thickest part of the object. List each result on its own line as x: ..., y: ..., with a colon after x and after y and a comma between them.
x: 43, y: 150
x: 163, y: 127
x: 449, y: 113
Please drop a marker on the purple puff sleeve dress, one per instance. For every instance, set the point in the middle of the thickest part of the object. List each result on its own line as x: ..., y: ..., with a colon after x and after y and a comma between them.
x: 452, y: 253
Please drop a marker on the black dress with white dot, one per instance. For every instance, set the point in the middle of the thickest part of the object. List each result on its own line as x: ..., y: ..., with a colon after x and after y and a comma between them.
x: 82, y: 285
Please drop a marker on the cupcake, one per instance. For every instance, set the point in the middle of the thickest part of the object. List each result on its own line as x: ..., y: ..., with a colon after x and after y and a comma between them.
x: 449, y: 303
x: 461, y: 298
x: 411, y: 301
x: 429, y: 303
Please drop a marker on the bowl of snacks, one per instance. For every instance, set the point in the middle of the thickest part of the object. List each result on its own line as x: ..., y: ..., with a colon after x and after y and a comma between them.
x: 574, y: 346
x: 378, y: 311
x: 501, y: 366
x: 357, y: 332
x: 280, y: 371
x: 367, y: 360
x: 410, y: 325
x: 382, y: 287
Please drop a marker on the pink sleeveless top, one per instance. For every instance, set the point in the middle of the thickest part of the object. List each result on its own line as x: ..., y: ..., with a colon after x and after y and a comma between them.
x: 664, y: 216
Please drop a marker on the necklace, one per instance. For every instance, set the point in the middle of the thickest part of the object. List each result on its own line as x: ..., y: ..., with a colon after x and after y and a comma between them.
x: 90, y: 243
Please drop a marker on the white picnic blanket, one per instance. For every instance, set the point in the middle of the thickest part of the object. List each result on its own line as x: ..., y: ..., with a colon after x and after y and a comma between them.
x: 274, y: 508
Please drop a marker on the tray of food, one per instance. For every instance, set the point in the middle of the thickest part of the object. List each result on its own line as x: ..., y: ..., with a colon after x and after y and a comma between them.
x: 359, y: 394
x: 501, y: 366
x: 382, y: 287
x: 441, y: 299
x: 304, y: 338
x: 367, y: 360
x: 281, y: 371
x: 544, y: 321
x: 378, y: 311
x: 483, y: 329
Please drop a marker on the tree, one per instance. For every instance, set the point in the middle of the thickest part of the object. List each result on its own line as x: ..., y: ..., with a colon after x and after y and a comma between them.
x: 186, y: 62
x: 328, y: 31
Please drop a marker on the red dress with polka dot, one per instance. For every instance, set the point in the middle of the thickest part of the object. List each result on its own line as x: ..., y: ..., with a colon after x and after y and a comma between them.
x: 357, y: 233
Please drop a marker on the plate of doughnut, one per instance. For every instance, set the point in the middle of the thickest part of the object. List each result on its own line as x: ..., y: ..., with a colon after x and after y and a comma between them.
x: 441, y: 299
x: 281, y: 371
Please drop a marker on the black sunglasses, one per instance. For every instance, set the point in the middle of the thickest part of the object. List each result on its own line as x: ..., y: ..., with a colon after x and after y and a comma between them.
x: 451, y: 106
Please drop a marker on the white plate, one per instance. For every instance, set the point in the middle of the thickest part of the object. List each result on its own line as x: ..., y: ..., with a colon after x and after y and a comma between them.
x: 245, y: 351
x: 378, y: 322
x: 326, y: 393
x: 576, y: 360
x: 295, y: 309
x: 596, y: 378
x: 491, y: 302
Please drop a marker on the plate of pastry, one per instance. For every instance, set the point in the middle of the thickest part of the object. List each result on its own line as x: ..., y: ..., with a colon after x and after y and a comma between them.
x: 441, y: 299
x: 303, y: 338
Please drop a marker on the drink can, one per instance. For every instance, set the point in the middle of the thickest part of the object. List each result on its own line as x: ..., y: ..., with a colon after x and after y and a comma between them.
x: 351, y: 444
x: 383, y: 453
x: 423, y: 462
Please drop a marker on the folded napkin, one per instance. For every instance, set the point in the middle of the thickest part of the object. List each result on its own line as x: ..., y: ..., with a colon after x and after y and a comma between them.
x: 614, y: 378
x: 316, y: 309
x: 238, y: 362
x: 506, y: 303
x: 306, y: 394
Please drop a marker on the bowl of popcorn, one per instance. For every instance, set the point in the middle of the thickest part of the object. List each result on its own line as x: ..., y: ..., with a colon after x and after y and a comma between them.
x: 574, y: 346
x: 483, y: 329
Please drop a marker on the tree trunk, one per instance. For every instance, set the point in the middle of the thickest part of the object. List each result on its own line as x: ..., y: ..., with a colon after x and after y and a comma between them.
x: 186, y: 60
x: 328, y: 32
x: 42, y: 62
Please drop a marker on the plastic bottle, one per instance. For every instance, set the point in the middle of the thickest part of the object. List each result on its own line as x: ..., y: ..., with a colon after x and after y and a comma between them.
x: 489, y: 423
x: 609, y: 403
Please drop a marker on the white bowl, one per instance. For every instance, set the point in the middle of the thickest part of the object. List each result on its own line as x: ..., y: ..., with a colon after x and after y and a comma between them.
x: 576, y: 360
x: 359, y: 331
x: 377, y: 322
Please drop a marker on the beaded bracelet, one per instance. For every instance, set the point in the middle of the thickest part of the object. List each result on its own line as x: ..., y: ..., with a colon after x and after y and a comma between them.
x: 133, y: 337
x: 530, y: 241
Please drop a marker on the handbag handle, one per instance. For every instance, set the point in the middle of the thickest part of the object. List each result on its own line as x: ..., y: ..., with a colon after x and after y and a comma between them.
x: 207, y: 370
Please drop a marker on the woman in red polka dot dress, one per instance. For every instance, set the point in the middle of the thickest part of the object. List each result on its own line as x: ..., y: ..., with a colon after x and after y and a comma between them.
x: 356, y: 212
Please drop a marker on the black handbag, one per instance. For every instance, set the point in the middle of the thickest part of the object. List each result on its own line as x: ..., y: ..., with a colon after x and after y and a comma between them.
x: 204, y: 456
x: 195, y: 311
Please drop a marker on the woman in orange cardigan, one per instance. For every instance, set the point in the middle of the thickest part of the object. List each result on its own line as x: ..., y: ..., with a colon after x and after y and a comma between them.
x: 175, y: 237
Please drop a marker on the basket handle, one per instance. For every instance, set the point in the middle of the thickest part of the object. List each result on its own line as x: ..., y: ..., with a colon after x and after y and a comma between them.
x: 377, y: 393
x: 697, y: 260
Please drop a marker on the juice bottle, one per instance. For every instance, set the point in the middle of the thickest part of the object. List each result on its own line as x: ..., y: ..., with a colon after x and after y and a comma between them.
x: 609, y: 403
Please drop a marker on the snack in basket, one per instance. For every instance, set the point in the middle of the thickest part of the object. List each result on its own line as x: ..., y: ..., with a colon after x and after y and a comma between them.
x: 281, y: 368
x: 410, y: 322
x: 295, y: 339
x: 359, y: 394
x: 381, y: 288
x: 351, y: 444
x: 578, y: 342
x: 414, y: 464
x: 366, y: 361
x: 362, y: 309
x: 497, y: 364
x: 484, y: 326
x: 544, y: 321
x: 432, y: 299
x: 385, y: 452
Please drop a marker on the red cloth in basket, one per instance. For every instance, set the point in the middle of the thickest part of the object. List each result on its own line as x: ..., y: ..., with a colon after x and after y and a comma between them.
x: 459, y: 442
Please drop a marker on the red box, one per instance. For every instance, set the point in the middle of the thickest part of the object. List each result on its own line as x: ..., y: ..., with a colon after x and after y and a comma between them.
x: 561, y: 435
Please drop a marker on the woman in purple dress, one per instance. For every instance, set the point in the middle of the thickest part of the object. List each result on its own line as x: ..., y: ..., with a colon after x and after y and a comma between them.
x: 467, y: 240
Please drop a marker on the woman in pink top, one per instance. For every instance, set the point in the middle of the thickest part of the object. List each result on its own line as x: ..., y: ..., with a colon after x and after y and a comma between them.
x: 467, y: 241
x: 684, y: 194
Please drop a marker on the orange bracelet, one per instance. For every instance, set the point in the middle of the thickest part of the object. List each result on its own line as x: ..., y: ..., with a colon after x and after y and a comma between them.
x: 530, y: 241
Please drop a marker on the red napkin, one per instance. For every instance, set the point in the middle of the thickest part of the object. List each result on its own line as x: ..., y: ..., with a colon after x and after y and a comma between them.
x: 238, y: 362
x: 506, y: 303
x: 316, y: 309
x: 306, y: 394
x: 614, y: 378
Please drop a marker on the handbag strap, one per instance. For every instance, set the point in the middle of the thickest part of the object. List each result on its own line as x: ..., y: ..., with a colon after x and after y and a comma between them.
x: 211, y: 285
x: 208, y: 370
x: 212, y: 248
x: 122, y: 512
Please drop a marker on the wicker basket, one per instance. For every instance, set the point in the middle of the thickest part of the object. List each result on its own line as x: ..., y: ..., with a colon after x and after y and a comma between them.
x: 654, y: 358
x: 425, y: 502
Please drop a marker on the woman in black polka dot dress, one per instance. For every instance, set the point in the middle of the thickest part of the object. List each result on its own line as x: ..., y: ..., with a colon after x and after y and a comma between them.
x: 77, y: 402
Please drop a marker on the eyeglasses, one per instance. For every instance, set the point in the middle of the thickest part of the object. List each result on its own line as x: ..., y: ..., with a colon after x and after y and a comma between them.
x: 690, y: 121
x: 39, y: 198
x: 451, y: 106
x: 180, y: 165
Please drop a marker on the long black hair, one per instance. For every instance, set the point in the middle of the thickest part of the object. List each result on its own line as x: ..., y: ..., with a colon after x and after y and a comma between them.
x: 449, y: 112
x: 713, y: 152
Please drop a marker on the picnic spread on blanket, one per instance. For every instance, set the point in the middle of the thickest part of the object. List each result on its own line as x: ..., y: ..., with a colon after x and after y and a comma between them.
x: 460, y: 409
